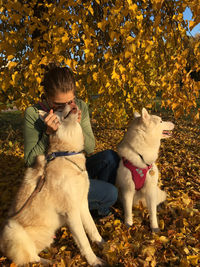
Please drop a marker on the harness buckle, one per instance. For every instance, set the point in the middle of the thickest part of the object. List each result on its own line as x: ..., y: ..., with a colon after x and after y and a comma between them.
x: 51, y: 157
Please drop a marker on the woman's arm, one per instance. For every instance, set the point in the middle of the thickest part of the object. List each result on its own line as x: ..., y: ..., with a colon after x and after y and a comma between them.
x: 35, y: 138
x: 89, y: 139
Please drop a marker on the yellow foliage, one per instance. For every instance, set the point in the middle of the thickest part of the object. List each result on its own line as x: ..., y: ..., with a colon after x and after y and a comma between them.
x: 140, y: 48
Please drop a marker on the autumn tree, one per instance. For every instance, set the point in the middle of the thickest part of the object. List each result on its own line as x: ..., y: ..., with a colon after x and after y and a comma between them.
x: 123, y: 52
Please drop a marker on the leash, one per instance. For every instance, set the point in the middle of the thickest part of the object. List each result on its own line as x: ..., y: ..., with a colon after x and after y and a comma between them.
x: 37, y: 189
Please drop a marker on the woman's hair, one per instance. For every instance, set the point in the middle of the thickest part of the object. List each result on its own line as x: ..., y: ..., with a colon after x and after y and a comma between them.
x: 58, y: 79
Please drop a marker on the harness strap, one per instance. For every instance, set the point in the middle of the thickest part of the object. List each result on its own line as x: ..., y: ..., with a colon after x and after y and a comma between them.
x: 82, y: 170
x: 141, y: 157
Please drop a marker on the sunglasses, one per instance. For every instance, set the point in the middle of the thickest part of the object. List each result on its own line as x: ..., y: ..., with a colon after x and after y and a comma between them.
x: 60, y: 106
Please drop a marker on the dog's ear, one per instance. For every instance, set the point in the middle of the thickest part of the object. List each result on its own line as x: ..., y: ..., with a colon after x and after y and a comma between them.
x: 42, y: 114
x: 145, y: 114
x: 136, y: 114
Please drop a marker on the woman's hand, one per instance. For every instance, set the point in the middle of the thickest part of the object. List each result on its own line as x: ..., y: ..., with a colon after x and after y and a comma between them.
x: 51, y: 122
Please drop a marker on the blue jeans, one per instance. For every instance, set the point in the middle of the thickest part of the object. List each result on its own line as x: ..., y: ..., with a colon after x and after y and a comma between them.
x: 102, y: 168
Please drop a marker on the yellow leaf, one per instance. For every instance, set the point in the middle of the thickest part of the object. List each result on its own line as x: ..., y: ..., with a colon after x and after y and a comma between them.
x: 14, y: 76
x: 186, y: 200
x: 102, y: 25
x: 129, y: 2
x: 109, y: 104
x: 91, y: 10
x: 149, y: 250
x: 129, y: 39
x: 148, y: 49
x: 39, y: 80
x: 61, y: 30
x: 43, y: 61
x: 174, y: 105
x: 133, y: 7
x: 65, y: 38
x: 115, y: 75
x: 12, y: 64
x: 95, y: 76
x: 117, y: 222
x: 192, y: 24
x: 197, y: 116
x: 128, y: 54
x: 69, y: 62
x: 10, y: 57
x: 140, y: 17
x: 87, y: 42
x: 133, y: 48
x: 186, y: 250
x: 163, y: 239
x: 107, y: 55
x: 122, y: 69
x: 107, y: 84
x: 87, y: 51
x: 193, y: 259
x: 63, y: 248
x: 10, y: 144
x: 162, y: 224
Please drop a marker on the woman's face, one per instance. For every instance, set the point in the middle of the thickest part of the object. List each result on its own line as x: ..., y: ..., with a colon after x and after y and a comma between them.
x: 58, y: 102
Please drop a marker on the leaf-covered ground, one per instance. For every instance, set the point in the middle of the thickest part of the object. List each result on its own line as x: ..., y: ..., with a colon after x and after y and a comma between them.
x: 178, y: 243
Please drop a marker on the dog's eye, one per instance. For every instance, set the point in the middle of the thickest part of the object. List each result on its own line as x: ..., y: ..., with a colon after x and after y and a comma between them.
x: 161, y: 121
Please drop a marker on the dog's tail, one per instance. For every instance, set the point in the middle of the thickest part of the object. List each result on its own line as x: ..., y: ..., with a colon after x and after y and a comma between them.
x: 17, y: 245
x: 161, y: 196
x: 139, y: 196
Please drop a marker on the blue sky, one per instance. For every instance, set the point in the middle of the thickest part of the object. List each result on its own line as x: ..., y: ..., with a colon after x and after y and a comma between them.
x: 187, y: 15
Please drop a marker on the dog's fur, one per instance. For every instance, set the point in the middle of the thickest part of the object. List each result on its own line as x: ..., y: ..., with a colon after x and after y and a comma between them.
x: 63, y: 199
x: 142, y: 139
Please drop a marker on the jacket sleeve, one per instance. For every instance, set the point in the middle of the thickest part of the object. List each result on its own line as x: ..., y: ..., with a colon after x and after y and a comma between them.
x: 35, y: 139
x: 89, y: 139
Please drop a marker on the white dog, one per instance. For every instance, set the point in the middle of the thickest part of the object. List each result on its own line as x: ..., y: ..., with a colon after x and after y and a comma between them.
x: 137, y: 175
x: 62, y: 199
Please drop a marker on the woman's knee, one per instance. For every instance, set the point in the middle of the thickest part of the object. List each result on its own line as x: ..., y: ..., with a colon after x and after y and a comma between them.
x: 113, y: 193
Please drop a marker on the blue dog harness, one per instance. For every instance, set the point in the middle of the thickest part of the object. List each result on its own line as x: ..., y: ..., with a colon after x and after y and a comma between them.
x: 54, y: 155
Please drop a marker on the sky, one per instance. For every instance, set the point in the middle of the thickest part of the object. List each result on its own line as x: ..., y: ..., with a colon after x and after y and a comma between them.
x: 187, y: 15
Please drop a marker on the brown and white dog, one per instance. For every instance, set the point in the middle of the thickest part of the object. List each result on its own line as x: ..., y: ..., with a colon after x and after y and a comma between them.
x: 62, y: 200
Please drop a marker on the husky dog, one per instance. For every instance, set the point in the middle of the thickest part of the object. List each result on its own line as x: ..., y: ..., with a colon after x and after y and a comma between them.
x: 137, y: 175
x: 62, y: 199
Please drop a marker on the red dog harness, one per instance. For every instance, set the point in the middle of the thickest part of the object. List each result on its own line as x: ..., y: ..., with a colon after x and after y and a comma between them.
x: 138, y: 174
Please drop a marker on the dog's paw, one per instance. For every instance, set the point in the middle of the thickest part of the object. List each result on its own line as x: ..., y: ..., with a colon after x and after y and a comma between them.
x: 155, y: 230
x: 45, y: 262
x: 128, y: 223
x: 100, y: 243
x: 99, y: 262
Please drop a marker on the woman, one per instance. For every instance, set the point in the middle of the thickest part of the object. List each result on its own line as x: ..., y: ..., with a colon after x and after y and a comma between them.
x: 59, y: 88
